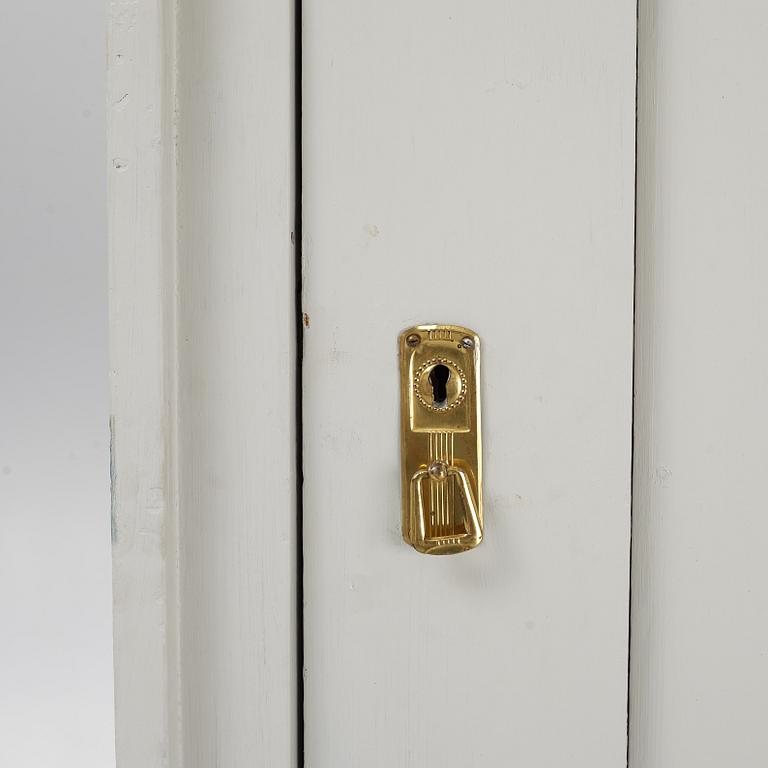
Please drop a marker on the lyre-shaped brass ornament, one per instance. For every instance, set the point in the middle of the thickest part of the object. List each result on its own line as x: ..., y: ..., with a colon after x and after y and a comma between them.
x: 440, y: 438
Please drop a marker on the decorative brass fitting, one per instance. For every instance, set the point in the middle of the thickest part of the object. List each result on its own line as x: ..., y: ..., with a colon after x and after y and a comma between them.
x: 440, y: 438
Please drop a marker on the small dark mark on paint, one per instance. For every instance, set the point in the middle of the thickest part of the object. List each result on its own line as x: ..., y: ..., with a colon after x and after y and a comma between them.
x: 112, y: 479
x: 293, y: 238
x: 306, y: 320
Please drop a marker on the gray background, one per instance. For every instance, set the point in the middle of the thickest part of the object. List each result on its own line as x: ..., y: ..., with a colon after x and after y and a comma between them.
x: 55, y: 590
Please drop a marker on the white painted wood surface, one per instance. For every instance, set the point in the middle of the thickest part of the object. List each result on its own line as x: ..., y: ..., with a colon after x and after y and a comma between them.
x: 201, y: 208
x: 141, y: 285
x: 699, y: 670
x: 471, y: 164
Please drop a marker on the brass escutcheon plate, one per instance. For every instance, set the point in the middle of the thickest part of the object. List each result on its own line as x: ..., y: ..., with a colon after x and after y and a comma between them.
x: 440, y: 438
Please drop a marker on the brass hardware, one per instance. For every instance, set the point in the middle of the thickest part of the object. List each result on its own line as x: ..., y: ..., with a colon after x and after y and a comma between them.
x: 440, y: 438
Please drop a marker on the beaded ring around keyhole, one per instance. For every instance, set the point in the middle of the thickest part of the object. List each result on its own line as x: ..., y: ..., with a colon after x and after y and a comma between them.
x: 430, y: 380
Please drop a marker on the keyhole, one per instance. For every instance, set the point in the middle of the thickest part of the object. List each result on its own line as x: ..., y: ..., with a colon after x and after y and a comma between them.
x: 438, y: 378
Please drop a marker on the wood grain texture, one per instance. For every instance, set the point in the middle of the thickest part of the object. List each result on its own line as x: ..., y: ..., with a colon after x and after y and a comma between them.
x: 201, y: 201
x: 699, y: 668
x: 474, y: 165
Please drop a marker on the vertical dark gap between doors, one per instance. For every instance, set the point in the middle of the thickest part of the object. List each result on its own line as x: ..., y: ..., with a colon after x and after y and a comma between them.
x: 632, y: 398
x: 299, y: 326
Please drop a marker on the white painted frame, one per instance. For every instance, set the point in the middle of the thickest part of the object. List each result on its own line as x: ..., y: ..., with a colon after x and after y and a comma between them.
x: 699, y: 660
x: 201, y: 203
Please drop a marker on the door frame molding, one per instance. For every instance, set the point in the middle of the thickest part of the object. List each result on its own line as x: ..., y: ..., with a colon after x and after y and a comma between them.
x: 202, y: 380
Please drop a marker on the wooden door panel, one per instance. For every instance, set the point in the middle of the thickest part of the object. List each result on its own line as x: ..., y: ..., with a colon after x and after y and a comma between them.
x: 469, y: 164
